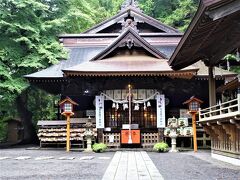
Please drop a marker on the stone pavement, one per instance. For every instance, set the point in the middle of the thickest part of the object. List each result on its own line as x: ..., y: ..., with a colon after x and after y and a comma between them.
x: 132, y: 165
x: 22, y: 164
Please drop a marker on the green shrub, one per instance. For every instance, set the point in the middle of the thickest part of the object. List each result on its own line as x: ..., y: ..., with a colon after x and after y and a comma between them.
x: 161, y: 147
x: 99, y: 147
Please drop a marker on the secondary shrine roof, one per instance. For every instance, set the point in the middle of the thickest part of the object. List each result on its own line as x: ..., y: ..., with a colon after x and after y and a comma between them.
x: 213, y: 32
x: 125, y: 65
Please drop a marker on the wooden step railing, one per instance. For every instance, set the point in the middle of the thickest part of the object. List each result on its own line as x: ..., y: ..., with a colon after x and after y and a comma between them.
x: 224, y: 110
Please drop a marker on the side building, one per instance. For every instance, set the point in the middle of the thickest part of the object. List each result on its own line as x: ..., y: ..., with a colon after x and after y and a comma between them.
x: 216, y: 21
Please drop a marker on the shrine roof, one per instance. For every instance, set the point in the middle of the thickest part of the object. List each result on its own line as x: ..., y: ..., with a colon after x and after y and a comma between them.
x: 219, y: 72
x: 126, y: 64
x: 213, y: 32
x: 77, y: 55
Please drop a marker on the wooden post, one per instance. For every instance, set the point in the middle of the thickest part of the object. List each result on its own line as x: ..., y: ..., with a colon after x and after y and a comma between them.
x: 68, y: 134
x: 238, y: 95
x: 160, y: 134
x: 194, y: 126
x: 130, y: 114
x: 100, y: 135
x: 212, y: 87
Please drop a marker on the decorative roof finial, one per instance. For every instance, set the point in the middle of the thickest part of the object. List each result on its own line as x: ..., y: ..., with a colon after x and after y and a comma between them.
x: 131, y: 3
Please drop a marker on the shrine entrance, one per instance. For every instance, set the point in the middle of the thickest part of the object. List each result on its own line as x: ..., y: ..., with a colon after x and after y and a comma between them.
x: 130, y: 122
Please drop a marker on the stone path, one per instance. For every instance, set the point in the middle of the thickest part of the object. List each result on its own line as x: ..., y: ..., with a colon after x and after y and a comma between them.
x: 130, y: 165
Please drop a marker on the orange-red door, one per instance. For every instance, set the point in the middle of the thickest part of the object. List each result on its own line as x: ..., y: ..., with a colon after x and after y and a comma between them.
x: 135, y: 134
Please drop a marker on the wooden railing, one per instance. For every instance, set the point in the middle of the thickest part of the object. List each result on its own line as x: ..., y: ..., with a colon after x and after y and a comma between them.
x: 224, y: 110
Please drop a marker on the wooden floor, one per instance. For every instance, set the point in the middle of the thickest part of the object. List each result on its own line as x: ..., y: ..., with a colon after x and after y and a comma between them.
x: 129, y: 165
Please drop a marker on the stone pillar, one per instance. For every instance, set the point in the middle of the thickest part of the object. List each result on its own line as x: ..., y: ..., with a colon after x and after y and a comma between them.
x: 173, y: 136
x: 212, y: 87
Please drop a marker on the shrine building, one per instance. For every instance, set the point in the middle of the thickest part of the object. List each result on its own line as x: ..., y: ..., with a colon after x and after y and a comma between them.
x: 119, y: 75
x: 217, y: 21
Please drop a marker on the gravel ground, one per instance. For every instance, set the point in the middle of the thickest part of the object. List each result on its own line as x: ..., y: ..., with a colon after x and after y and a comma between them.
x: 172, y: 166
x: 52, y: 168
x: 190, y: 166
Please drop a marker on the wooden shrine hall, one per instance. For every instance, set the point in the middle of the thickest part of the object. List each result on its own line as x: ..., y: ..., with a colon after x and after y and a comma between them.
x: 217, y: 21
x: 132, y: 50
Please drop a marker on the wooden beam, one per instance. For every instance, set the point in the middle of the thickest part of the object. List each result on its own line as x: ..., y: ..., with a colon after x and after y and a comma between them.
x: 224, y: 11
x: 212, y: 87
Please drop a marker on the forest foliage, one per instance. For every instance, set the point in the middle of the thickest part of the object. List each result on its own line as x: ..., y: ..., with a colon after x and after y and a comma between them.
x: 29, y: 43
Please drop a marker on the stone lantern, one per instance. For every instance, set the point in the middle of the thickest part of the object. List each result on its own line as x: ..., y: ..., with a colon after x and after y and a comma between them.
x: 173, y: 125
x: 88, y: 134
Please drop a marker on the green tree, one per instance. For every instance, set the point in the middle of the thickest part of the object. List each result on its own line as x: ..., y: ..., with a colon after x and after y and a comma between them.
x: 28, y: 43
x: 182, y: 14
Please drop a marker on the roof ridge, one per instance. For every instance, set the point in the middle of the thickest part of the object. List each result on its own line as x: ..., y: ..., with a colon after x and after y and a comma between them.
x: 131, y: 3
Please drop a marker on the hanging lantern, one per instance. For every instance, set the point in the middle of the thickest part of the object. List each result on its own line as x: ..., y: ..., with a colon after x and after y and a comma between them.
x: 148, y: 104
x: 136, y: 107
x: 113, y: 105
x: 125, y: 106
x: 238, y: 55
x: 144, y: 106
x: 117, y: 106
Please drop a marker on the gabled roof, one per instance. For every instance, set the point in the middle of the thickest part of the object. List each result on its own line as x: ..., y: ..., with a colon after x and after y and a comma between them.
x: 68, y: 99
x: 213, y: 32
x: 136, y: 14
x: 130, y: 36
x: 193, y: 99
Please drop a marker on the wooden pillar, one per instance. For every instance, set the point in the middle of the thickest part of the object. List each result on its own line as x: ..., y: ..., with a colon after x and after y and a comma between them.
x: 194, y: 126
x: 160, y: 134
x: 238, y: 94
x: 218, y: 130
x: 68, y: 134
x: 231, y: 132
x: 100, y: 135
x: 212, y: 87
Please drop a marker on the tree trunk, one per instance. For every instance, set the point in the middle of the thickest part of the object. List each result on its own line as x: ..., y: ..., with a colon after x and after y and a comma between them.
x: 29, y: 133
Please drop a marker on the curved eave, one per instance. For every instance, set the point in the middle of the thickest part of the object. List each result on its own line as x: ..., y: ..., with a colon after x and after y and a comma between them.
x: 50, y: 85
x: 46, y: 79
x: 175, y: 74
